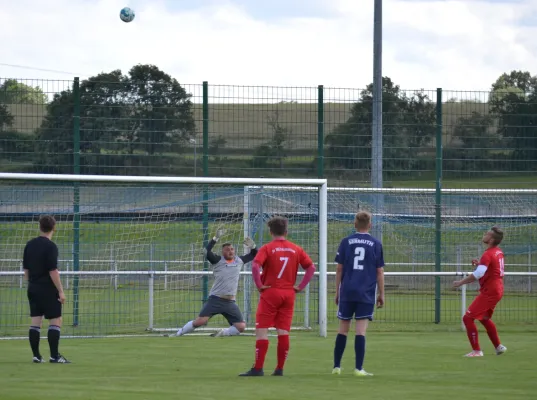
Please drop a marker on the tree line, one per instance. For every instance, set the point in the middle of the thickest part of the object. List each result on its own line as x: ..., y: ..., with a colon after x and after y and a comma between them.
x: 142, y: 122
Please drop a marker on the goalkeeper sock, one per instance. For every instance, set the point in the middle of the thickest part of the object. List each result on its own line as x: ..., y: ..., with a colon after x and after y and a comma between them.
x: 34, y: 335
x: 492, y: 332
x: 283, y: 350
x: 339, y: 349
x: 359, y: 351
x: 261, y: 348
x: 53, y: 336
x: 471, y: 331
x: 189, y: 327
x: 231, y: 331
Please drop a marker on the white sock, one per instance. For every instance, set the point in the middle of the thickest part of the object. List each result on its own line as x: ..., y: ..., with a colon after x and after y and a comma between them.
x: 231, y: 331
x: 189, y: 327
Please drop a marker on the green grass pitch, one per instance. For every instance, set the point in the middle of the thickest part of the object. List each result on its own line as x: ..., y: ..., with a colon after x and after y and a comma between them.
x: 407, y: 365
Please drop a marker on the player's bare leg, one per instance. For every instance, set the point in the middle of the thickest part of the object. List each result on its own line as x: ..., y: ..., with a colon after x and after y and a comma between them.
x: 190, y: 326
x: 34, y: 336
x: 53, y: 336
x: 341, y: 342
x: 261, y: 348
x: 359, y: 347
x: 234, y: 330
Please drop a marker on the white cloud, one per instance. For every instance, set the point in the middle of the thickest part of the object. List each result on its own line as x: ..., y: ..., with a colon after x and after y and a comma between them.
x: 462, y: 45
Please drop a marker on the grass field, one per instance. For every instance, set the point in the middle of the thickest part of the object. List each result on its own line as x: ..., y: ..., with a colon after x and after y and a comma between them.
x: 406, y: 366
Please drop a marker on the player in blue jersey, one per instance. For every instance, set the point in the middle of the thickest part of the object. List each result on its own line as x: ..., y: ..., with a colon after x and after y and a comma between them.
x: 360, y: 269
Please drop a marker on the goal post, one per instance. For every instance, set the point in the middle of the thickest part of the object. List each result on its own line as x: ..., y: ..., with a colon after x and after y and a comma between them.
x: 115, y: 231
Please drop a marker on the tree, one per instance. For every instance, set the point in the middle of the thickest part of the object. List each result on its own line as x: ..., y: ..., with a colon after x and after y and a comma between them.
x: 6, y: 119
x: 143, y: 113
x: 513, y: 101
x: 408, y: 125
x: 14, y: 92
x: 475, y: 131
x: 276, y: 148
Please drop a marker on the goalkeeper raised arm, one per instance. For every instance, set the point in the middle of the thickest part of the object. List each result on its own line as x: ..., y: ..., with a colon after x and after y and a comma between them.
x: 226, y: 271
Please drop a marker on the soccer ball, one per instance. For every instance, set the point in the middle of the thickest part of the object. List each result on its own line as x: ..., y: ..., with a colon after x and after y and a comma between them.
x: 126, y: 14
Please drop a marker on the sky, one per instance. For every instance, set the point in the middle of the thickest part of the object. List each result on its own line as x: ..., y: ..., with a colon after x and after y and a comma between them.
x: 456, y: 45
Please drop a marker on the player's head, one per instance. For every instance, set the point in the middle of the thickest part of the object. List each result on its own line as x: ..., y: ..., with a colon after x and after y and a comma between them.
x: 493, y: 237
x: 228, y: 251
x: 362, y: 221
x: 47, y: 224
x: 278, y: 226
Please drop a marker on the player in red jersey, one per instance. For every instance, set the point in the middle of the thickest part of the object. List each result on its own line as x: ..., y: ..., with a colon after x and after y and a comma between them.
x: 279, y: 260
x: 489, y: 270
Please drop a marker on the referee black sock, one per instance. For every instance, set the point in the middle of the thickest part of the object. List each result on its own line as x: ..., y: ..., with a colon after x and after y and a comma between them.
x: 34, y: 335
x: 53, y: 340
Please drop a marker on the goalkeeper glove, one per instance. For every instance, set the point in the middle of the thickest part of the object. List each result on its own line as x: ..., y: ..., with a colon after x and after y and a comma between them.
x: 219, y: 233
x: 249, y: 243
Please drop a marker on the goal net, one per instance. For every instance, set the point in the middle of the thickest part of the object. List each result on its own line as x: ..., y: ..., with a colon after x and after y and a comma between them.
x: 131, y: 248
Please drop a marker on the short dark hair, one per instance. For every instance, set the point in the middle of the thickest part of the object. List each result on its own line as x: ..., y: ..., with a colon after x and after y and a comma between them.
x: 226, y: 244
x: 278, y: 226
x: 497, y: 235
x: 46, y: 223
x: 362, y: 219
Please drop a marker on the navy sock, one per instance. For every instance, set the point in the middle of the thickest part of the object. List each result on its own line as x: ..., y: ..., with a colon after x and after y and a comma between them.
x: 34, y: 335
x: 339, y: 348
x: 359, y: 350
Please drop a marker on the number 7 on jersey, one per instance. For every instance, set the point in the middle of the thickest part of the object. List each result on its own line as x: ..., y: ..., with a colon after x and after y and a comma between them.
x: 285, y: 261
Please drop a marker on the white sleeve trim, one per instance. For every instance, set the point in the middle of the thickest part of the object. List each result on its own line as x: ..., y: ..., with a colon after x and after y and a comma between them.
x: 480, y: 271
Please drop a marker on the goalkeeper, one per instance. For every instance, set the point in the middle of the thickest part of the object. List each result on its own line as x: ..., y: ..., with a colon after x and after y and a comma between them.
x: 226, y: 271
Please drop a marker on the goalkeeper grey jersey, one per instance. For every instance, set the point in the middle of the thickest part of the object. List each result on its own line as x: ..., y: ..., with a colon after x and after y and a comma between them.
x: 226, y: 273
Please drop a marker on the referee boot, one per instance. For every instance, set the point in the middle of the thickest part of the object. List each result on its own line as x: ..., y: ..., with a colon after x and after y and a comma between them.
x: 253, y: 372
x: 59, y: 360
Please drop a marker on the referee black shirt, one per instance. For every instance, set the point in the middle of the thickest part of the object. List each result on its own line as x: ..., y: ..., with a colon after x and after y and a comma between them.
x: 40, y: 257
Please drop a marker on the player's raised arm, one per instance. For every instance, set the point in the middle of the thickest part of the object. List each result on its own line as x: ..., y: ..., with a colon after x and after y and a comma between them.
x: 253, y: 251
x: 211, y: 257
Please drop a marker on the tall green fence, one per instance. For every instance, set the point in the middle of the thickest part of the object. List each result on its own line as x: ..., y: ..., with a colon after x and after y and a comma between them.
x: 116, y: 127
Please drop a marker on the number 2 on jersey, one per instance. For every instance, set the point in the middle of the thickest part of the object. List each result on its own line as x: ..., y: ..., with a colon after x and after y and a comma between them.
x: 359, y: 255
x: 285, y: 261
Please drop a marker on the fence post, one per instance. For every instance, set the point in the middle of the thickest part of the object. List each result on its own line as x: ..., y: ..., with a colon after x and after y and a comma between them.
x: 529, y: 269
x: 76, y: 197
x: 438, y: 205
x: 320, y: 131
x: 205, y: 222
x: 151, y: 299
x: 463, y: 304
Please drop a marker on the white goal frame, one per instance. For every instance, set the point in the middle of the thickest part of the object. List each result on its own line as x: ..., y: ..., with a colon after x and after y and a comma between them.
x: 307, y: 184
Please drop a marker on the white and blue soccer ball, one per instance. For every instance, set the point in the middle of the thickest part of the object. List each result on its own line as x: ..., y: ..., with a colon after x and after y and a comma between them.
x: 126, y: 14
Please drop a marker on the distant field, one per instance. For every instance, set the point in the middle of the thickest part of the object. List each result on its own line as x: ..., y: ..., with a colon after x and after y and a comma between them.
x: 245, y: 125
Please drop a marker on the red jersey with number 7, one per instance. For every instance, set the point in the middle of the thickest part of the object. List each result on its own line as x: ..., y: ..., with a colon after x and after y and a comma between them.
x: 279, y: 260
x: 492, y: 281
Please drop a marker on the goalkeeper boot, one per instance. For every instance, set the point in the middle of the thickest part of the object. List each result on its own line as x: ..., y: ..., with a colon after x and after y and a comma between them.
x: 253, y: 372
x: 500, y: 349
x: 220, y: 333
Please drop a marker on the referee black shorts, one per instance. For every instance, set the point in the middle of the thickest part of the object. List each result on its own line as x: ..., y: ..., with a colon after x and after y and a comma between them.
x: 44, y: 302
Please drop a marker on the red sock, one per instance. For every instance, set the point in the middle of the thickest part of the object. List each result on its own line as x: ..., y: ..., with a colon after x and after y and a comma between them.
x: 261, y: 348
x: 491, y: 331
x: 471, y: 331
x: 283, y: 350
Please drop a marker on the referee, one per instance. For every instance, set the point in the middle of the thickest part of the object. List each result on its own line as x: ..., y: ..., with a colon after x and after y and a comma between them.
x: 45, y: 291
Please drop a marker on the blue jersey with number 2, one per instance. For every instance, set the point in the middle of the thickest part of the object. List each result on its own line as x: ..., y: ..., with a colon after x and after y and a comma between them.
x: 361, y: 255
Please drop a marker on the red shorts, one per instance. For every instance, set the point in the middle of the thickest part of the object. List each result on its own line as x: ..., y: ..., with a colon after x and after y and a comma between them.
x: 275, y: 309
x: 483, y: 306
